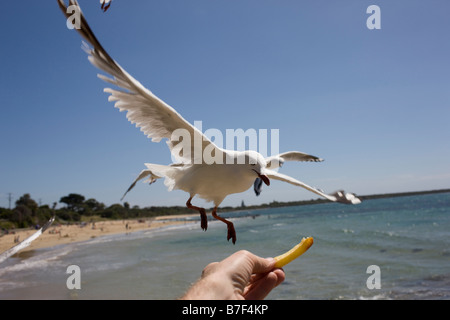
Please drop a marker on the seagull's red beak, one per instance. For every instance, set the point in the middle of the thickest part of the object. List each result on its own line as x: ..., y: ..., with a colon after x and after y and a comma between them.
x: 263, y: 178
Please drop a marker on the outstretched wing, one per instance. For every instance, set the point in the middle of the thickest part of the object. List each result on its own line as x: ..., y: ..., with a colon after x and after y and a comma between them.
x: 144, y: 173
x: 276, y: 161
x: 339, y: 196
x: 25, y: 243
x: 154, y: 172
x: 153, y: 116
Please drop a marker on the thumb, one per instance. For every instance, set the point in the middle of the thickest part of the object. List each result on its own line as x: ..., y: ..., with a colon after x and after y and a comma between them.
x: 263, y: 265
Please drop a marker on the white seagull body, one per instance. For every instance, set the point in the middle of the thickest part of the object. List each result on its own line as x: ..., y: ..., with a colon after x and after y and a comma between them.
x: 192, y: 174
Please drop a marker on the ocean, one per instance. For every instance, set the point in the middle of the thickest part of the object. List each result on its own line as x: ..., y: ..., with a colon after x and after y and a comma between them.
x: 406, y: 238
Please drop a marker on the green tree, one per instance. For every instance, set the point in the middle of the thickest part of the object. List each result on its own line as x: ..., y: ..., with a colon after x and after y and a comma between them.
x: 43, y: 214
x: 115, y: 211
x: 6, y: 217
x: 67, y: 215
x: 93, y: 205
x: 22, y: 216
x: 74, y: 202
x: 26, y: 201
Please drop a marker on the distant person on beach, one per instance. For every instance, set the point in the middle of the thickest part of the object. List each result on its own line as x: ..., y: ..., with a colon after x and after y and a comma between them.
x: 242, y: 275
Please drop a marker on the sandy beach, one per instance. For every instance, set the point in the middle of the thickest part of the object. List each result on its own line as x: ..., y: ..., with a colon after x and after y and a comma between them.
x: 58, y: 234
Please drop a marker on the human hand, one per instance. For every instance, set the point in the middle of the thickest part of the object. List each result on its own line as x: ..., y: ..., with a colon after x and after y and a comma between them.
x: 242, y: 275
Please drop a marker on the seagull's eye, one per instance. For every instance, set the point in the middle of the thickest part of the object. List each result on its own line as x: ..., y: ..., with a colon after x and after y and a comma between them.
x: 253, y: 164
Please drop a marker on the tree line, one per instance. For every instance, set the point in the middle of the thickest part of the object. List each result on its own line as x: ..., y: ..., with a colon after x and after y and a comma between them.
x: 76, y: 208
x: 27, y: 212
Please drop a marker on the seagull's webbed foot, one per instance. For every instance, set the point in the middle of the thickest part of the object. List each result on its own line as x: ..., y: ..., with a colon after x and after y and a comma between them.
x: 202, y: 211
x: 231, y: 233
x: 203, y: 219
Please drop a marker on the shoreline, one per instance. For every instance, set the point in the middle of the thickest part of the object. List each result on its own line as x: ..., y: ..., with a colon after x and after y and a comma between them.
x: 58, y: 234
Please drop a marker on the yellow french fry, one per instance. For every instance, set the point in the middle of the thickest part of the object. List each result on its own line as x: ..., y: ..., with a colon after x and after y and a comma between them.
x: 294, y: 253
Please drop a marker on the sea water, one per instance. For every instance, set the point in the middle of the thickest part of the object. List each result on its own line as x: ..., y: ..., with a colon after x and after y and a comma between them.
x: 407, y: 238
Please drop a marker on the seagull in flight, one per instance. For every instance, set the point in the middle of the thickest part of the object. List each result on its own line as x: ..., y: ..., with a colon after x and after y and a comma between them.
x: 230, y: 171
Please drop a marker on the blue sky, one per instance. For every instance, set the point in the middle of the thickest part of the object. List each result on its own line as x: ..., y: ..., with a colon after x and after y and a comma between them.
x: 375, y: 104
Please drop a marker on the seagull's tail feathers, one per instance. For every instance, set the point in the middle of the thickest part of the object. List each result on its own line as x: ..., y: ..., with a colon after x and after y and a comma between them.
x: 339, y: 196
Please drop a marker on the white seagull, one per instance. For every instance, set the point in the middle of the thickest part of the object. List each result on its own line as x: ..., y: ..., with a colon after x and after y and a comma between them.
x: 230, y: 172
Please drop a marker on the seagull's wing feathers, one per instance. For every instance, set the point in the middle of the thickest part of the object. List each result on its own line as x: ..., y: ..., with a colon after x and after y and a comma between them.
x: 25, y: 243
x: 276, y: 161
x: 153, y: 116
x: 144, y: 173
x: 282, y: 177
x: 339, y: 196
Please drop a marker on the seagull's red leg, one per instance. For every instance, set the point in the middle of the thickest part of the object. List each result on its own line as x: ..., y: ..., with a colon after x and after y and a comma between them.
x: 231, y: 232
x: 203, y: 218
x: 103, y: 7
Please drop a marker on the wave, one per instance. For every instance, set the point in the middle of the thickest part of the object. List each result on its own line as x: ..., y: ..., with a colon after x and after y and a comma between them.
x: 42, y: 259
x: 14, y: 276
